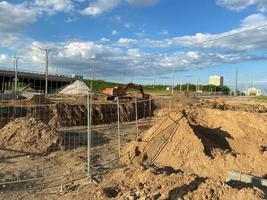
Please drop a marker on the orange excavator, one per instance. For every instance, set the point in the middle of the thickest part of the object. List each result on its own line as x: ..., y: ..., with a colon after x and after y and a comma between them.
x: 121, y: 92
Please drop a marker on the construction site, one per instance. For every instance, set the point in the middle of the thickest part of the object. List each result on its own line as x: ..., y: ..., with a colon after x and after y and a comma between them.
x: 121, y: 143
x: 133, y: 100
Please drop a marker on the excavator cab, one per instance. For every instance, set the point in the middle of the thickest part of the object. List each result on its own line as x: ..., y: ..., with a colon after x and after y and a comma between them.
x: 121, y: 92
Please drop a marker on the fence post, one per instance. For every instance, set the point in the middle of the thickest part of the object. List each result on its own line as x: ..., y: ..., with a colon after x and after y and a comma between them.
x: 136, y: 119
x: 89, y: 132
x: 119, y: 138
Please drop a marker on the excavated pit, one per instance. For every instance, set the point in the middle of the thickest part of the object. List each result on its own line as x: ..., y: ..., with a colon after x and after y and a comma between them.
x: 69, y: 115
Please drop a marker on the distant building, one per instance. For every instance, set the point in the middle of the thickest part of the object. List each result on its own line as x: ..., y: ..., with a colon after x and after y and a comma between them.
x: 216, y: 80
x: 254, y: 92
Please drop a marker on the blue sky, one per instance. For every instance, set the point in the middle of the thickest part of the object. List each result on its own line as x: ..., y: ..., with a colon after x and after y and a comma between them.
x: 195, y: 38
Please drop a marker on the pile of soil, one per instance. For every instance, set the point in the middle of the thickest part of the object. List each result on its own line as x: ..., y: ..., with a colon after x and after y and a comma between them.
x: 206, y: 142
x: 257, y: 108
x: 39, y: 99
x: 28, y: 135
x: 167, y: 183
x: 35, y: 100
x: 154, y: 182
x: 186, y: 98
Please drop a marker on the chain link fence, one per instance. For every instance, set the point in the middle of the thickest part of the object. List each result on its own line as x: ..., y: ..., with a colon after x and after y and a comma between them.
x: 45, y: 143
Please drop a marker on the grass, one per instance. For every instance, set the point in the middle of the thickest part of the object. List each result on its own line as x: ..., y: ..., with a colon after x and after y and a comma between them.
x: 261, y: 98
x: 99, y: 85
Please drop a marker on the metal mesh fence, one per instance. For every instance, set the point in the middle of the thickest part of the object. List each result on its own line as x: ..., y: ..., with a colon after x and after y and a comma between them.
x: 45, y: 143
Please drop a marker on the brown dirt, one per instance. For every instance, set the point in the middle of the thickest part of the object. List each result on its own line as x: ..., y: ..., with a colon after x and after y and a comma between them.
x: 35, y: 100
x: 183, y: 156
x: 152, y: 182
x: 30, y: 136
x: 186, y: 98
x: 236, y: 105
x: 207, y: 142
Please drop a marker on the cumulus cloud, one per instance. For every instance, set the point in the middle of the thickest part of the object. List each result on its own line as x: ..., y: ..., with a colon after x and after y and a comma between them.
x: 163, y: 32
x: 110, y: 60
x: 239, y: 5
x: 98, y: 7
x: 143, y: 2
x: 53, y: 6
x: 114, y: 32
x: 15, y: 18
x: 127, y: 42
x: 251, y: 35
x: 4, y: 58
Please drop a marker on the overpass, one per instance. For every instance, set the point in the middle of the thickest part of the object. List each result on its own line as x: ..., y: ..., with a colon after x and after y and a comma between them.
x: 36, y: 80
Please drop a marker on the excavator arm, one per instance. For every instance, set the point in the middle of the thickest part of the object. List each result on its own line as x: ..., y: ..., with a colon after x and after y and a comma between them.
x: 134, y: 86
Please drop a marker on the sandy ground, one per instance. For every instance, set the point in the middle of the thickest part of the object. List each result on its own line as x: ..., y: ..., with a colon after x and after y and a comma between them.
x: 185, y: 155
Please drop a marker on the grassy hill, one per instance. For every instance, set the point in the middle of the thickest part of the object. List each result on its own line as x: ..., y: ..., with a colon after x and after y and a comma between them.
x: 99, y: 85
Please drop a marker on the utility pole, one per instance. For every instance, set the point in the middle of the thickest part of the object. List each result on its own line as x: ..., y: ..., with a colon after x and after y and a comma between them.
x: 197, y: 85
x: 93, y: 78
x: 236, y: 77
x: 47, y: 51
x: 246, y: 87
x: 172, y: 79
x: 56, y: 69
x: 154, y: 79
x: 131, y: 76
x: 16, y: 71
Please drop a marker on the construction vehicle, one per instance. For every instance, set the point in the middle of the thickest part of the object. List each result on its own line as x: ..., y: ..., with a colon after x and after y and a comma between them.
x: 219, y: 104
x: 121, y: 92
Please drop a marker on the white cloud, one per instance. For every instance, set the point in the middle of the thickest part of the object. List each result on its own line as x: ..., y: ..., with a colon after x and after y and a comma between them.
x: 143, y: 2
x: 97, y: 7
x: 163, y: 32
x: 251, y: 35
x: 104, y: 40
x: 254, y: 20
x: 78, y: 55
x: 4, y: 58
x: 140, y: 34
x: 127, y: 42
x: 15, y: 17
x: 239, y: 5
x: 52, y: 6
x: 114, y: 32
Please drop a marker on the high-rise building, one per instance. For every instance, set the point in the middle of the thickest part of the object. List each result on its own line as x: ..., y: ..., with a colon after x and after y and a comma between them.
x: 216, y: 80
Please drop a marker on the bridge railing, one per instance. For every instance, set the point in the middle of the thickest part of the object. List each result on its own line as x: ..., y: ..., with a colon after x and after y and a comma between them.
x: 36, y: 72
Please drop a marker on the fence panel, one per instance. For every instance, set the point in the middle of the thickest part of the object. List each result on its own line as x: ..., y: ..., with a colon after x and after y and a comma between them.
x: 44, y: 143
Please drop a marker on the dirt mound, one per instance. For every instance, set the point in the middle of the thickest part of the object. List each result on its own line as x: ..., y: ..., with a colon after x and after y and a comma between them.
x: 186, y: 98
x: 207, y: 142
x: 234, y: 106
x: 35, y: 100
x: 152, y: 182
x: 29, y: 135
x: 39, y: 99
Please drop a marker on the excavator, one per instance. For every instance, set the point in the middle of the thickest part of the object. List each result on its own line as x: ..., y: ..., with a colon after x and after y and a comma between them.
x: 121, y: 92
